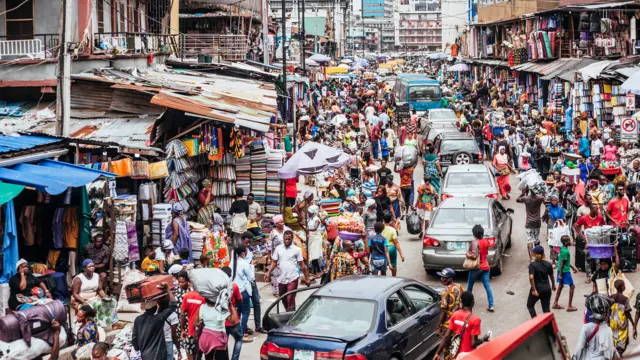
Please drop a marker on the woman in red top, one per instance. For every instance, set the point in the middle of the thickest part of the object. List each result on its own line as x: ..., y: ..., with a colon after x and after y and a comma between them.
x: 480, y: 247
x: 233, y: 328
x: 291, y: 191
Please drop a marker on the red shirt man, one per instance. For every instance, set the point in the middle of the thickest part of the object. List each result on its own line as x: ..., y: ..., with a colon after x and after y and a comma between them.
x: 375, y: 132
x: 486, y: 132
x: 548, y: 125
x: 191, y: 303
x: 618, y: 208
x: 456, y: 324
x: 355, y: 119
x: 236, y: 297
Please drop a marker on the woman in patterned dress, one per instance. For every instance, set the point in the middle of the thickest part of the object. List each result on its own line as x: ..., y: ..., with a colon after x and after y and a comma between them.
x: 184, y: 286
x: 276, y: 238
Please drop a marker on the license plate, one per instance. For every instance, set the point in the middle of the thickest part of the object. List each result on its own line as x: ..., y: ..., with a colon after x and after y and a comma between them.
x: 303, y: 355
x: 456, y: 245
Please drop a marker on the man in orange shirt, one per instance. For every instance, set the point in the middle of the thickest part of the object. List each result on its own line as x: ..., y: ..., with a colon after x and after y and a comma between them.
x: 549, y: 126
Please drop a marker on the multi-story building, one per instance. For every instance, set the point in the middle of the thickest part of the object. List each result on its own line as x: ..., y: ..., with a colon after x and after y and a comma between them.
x: 387, y: 31
x: 418, y: 25
x: 377, y: 8
x: 369, y: 37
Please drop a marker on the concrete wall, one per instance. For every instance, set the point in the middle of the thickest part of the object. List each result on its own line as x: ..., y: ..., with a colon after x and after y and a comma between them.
x: 510, y: 10
x: 454, y: 20
x: 46, y: 16
x: 577, y: 2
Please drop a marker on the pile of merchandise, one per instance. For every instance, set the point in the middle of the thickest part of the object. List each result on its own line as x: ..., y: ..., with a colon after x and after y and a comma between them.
x: 349, y: 222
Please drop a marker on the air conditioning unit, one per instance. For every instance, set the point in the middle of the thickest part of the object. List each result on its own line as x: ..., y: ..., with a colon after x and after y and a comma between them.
x: 134, y: 43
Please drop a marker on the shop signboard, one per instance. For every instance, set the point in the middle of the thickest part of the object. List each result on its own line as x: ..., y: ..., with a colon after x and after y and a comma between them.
x: 403, y: 112
x: 631, y: 102
x: 629, y: 129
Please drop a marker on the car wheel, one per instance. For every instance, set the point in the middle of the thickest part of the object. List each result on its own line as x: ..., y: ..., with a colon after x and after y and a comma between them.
x: 497, y: 270
x: 462, y: 158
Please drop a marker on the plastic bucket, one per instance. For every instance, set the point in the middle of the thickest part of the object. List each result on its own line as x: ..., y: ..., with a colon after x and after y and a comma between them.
x: 345, y: 235
x: 601, y: 251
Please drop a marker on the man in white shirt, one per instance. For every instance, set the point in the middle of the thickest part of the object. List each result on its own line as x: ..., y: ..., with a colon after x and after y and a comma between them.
x: 384, y: 118
x: 370, y: 111
x: 244, y: 276
x: 288, y: 259
x: 545, y: 140
x: 596, y: 145
x: 247, y: 238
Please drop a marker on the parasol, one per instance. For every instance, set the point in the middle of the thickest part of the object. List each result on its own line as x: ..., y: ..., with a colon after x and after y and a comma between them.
x: 438, y: 56
x: 346, y: 61
x: 459, y: 67
x: 319, y: 58
x: 632, y: 85
x: 344, y: 66
x: 313, y: 158
x: 310, y: 62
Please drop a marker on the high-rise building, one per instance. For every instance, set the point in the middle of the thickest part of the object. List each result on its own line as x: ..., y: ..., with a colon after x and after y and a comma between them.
x: 418, y: 25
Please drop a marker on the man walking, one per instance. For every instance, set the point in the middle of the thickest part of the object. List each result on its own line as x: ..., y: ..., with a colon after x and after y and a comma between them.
x: 288, y: 258
x: 148, y: 329
x: 449, y: 301
x: 564, y: 274
x: 540, y: 272
x: 532, y: 202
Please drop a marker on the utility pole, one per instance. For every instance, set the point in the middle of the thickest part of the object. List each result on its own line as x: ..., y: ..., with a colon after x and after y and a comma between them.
x: 362, y: 16
x: 265, y: 31
x: 304, y: 41
x: 63, y: 103
x: 284, y: 57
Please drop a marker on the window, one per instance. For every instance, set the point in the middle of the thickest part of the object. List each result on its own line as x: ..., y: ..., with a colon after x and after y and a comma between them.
x: 419, y: 296
x: 100, y: 15
x: 424, y: 93
x: 398, y: 310
x: 460, y: 218
x: 19, y: 22
x: 327, y: 315
x: 486, y: 2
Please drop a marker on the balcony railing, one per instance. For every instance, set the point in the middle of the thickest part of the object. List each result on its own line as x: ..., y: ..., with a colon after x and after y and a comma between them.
x: 135, y: 43
x: 40, y: 46
x: 224, y: 47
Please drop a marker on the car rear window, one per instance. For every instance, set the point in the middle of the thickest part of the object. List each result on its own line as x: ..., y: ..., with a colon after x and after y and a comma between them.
x: 442, y: 115
x: 455, y: 145
x: 457, y: 218
x: 469, y: 179
x: 330, y: 316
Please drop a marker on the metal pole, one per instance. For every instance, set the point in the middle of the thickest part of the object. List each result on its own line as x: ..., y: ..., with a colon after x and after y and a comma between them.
x: 284, y: 60
x: 64, y: 77
x: 362, y: 16
x: 304, y: 41
x: 265, y: 31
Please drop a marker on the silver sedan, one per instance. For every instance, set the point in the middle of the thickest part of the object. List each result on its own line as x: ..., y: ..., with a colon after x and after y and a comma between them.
x: 449, y: 236
x: 470, y: 180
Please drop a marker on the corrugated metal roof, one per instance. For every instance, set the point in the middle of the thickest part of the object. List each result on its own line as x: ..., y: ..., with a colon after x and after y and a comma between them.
x: 9, y: 143
x: 567, y: 70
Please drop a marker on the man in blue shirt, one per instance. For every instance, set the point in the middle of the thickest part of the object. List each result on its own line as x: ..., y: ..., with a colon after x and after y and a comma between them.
x: 378, y: 247
x: 583, y: 143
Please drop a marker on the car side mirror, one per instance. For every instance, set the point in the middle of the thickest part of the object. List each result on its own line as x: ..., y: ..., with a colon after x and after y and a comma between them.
x: 510, y: 211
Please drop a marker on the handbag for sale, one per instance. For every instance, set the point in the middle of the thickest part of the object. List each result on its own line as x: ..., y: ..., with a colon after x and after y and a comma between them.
x: 158, y: 170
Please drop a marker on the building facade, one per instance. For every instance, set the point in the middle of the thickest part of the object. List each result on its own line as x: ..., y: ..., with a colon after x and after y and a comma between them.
x: 418, y: 25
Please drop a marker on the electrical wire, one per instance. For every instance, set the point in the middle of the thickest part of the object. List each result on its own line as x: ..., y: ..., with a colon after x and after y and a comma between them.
x: 15, y: 8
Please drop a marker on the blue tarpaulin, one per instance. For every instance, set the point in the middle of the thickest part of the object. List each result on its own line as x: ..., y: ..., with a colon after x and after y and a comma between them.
x: 10, y: 243
x: 53, y: 177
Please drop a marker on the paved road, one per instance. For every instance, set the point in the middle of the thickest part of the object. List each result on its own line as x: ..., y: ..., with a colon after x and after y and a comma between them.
x: 510, y: 311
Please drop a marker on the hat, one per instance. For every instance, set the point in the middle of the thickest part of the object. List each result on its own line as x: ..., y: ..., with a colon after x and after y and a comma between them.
x: 447, y: 273
x: 86, y: 263
x: 313, y: 209
x: 544, y: 131
x: 177, y: 208
x: 335, y: 193
x: 369, y: 203
x: 351, y: 192
x: 307, y: 194
x: 593, y: 182
x: 20, y: 262
x: 167, y: 245
x: 538, y: 250
x: 174, y: 269
x: 277, y: 219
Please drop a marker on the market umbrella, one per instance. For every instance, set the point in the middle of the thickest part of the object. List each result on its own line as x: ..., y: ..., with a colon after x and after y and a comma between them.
x: 346, y: 61
x: 357, y: 67
x: 313, y: 158
x: 344, y: 66
x: 362, y: 62
x: 310, y: 62
x: 632, y: 85
x: 438, y: 56
x: 319, y: 58
x: 371, y: 57
x: 459, y: 67
x: 384, y: 57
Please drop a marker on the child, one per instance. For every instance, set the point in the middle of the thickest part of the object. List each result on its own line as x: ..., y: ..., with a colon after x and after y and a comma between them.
x: 564, y: 273
x: 378, y: 246
x: 150, y: 265
x: 425, y: 203
x: 384, y: 147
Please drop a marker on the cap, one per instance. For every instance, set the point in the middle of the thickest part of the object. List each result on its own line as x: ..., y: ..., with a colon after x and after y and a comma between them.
x: 174, y: 269
x: 369, y: 202
x: 539, y: 250
x: 447, y: 273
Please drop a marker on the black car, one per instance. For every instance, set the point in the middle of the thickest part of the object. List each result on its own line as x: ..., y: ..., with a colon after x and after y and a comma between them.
x: 457, y: 149
x: 356, y: 318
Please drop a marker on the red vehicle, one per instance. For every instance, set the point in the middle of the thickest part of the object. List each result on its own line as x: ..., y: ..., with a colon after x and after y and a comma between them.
x: 538, y: 338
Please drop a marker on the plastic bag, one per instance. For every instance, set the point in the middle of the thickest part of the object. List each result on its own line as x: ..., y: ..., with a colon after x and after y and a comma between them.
x: 413, y: 224
x: 130, y: 277
x: 409, y: 156
x: 559, y: 230
x: 629, y: 290
x: 212, y: 284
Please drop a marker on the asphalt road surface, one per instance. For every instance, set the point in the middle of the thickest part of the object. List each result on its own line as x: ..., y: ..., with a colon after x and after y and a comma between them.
x: 510, y: 310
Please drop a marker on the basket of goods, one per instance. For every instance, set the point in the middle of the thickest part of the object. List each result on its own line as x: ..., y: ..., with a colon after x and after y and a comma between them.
x: 572, y: 157
x: 350, y: 226
x: 554, y: 151
x: 599, y: 241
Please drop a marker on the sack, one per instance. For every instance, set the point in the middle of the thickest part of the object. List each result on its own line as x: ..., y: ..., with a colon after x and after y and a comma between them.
x: 413, y: 224
x: 409, y: 157
x: 559, y: 230
x: 629, y: 290
x: 213, y: 284
x: 158, y: 170
x: 472, y: 260
x: 19, y: 350
x: 130, y: 277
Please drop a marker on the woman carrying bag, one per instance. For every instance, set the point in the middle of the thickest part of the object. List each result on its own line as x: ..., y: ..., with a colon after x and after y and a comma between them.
x: 478, y: 252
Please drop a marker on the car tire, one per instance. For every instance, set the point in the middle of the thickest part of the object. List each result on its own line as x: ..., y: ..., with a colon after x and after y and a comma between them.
x: 497, y: 270
x: 462, y: 158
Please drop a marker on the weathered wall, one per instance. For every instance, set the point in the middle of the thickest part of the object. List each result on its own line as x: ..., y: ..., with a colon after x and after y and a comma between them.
x: 512, y: 9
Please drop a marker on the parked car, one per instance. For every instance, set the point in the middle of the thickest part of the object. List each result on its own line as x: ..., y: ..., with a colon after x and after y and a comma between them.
x: 356, y: 318
x: 457, y: 149
x: 471, y: 180
x: 442, y: 116
x: 449, y: 236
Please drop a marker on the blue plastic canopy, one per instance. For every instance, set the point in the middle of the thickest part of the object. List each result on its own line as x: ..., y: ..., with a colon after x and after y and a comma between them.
x: 52, y: 177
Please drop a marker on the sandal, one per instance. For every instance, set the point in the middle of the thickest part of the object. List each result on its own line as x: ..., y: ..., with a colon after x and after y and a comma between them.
x: 557, y: 307
x: 246, y: 339
x: 571, y: 309
x: 491, y: 309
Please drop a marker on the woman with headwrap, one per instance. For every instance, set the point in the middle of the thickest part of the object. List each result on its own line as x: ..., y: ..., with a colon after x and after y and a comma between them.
x: 503, y: 168
x: 316, y: 238
x: 207, y: 209
x: 596, y: 337
x: 276, y: 238
x: 178, y: 230
x: 86, y: 285
x: 553, y: 213
x: 24, y: 286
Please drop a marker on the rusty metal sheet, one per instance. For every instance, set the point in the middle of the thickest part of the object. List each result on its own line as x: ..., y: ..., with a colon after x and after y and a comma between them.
x: 91, y: 95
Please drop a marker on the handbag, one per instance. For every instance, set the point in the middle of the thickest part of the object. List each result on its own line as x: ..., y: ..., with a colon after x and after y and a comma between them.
x: 456, y: 340
x: 233, y: 317
x: 140, y: 169
x: 158, y: 170
x: 472, y: 260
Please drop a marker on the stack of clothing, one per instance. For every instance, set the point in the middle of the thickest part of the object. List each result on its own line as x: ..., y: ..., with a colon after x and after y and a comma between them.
x: 243, y: 173
x: 274, y: 199
x: 197, y: 243
x: 258, y: 171
x: 331, y: 207
x: 267, y: 223
x: 161, y: 212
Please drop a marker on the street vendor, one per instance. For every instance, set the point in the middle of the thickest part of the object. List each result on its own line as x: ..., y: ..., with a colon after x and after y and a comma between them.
x: 23, y: 285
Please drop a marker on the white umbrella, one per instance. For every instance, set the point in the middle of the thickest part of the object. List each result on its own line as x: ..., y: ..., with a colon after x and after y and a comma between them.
x: 459, y: 67
x: 357, y: 67
x: 320, y: 58
x: 346, y: 61
x: 310, y: 62
x: 313, y: 158
x: 344, y: 66
x: 632, y: 85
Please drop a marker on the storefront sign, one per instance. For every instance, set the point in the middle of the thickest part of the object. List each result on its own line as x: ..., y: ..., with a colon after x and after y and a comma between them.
x: 403, y: 112
x: 631, y: 101
x: 629, y: 129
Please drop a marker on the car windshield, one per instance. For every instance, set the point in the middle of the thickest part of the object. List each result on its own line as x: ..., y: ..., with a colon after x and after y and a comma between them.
x: 442, y: 115
x: 455, y: 145
x: 468, y: 180
x: 334, y: 316
x: 460, y: 218
x: 427, y: 93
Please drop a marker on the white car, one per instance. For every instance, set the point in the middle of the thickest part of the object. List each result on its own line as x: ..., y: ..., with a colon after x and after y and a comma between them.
x: 470, y: 180
x: 442, y: 116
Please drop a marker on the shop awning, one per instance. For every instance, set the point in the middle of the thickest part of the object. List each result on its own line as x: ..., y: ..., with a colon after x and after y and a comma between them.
x: 593, y: 71
x: 9, y: 191
x: 52, y: 177
x: 541, y: 68
x: 488, y: 62
x: 566, y: 70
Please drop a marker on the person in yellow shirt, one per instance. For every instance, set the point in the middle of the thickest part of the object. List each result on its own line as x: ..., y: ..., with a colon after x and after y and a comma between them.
x: 150, y: 265
x: 391, y: 234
